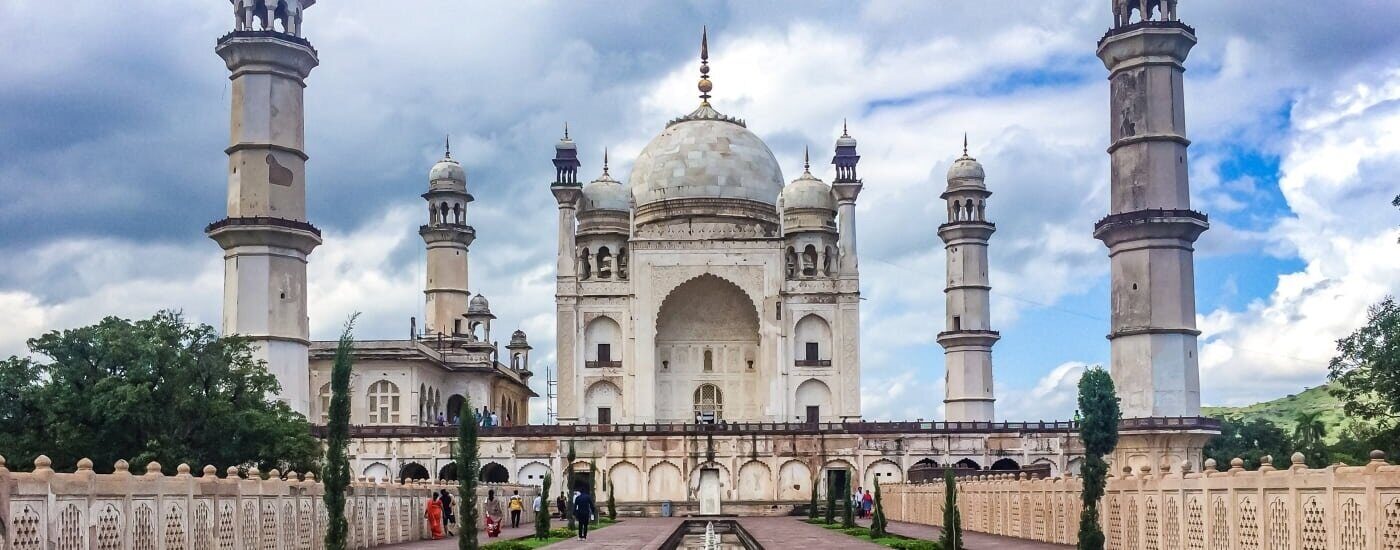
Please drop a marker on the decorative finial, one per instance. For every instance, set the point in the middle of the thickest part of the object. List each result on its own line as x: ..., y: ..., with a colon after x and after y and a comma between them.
x: 964, y: 144
x: 605, y: 161
x: 448, y: 153
x: 705, y: 85
x: 844, y: 132
x: 806, y: 159
x: 566, y: 130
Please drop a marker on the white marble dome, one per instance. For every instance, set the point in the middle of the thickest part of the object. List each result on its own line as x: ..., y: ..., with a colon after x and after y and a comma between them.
x: 478, y: 304
x: 808, y: 192
x: 604, y: 193
x: 448, y: 169
x: 966, y: 171
x: 706, y: 158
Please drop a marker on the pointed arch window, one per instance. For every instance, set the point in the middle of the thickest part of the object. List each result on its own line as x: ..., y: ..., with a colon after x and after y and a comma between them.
x: 383, y: 403
x: 709, y: 403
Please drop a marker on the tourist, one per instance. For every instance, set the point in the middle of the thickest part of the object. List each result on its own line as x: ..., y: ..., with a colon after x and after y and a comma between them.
x: 560, y: 504
x: 448, y: 518
x: 539, y: 499
x: 495, y: 419
x: 493, y: 515
x: 516, y: 506
x: 855, y: 502
x: 434, y: 515
x: 867, y: 503
x: 583, y: 513
x: 441, y: 419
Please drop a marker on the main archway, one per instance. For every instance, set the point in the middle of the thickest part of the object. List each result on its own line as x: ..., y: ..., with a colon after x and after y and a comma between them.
x: 706, y: 333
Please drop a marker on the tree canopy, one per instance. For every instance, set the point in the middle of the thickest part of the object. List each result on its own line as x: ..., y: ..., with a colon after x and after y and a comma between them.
x: 157, y: 389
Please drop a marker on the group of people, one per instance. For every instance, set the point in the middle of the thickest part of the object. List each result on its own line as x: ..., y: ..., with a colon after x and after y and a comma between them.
x: 485, y: 418
x: 441, y: 518
x: 862, y: 502
x: 585, y: 510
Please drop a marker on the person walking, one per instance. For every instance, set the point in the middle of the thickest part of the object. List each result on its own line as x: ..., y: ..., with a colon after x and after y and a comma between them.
x: 539, y: 500
x: 434, y: 515
x: 867, y: 503
x: 855, y: 502
x: 583, y: 513
x: 493, y: 514
x: 516, y: 505
x: 448, y: 518
x: 560, y: 504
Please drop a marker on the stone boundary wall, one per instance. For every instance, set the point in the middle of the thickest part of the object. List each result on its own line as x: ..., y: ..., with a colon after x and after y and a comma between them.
x: 46, y: 510
x: 1334, y: 508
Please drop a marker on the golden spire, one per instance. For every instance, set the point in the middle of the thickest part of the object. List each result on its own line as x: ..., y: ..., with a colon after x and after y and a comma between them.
x: 705, y: 85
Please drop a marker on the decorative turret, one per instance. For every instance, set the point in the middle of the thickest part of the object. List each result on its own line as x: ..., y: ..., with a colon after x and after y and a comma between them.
x: 967, y: 338
x: 604, y: 218
x: 846, y: 187
x: 266, y: 237
x: 447, y: 237
x: 479, y: 318
x: 809, y: 225
x: 566, y: 160
x: 519, y: 351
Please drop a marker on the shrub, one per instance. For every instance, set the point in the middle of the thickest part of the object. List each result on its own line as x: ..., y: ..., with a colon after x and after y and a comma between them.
x: 856, y: 531
x: 915, y: 544
x: 506, y: 545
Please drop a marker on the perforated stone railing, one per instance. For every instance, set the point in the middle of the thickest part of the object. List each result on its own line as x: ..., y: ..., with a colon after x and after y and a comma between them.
x: 1297, y: 508
x: 47, y: 510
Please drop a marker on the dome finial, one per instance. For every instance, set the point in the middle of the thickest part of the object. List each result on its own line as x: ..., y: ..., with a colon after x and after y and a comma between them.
x: 806, y: 159
x: 448, y: 153
x: 705, y: 85
x: 605, y: 161
x: 964, y: 144
x: 844, y: 131
x: 566, y: 129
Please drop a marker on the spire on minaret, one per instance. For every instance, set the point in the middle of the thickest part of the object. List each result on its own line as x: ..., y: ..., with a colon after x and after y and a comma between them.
x: 807, y: 159
x: 964, y: 144
x: 448, y: 153
x: 705, y: 85
x: 566, y: 130
x: 605, y: 161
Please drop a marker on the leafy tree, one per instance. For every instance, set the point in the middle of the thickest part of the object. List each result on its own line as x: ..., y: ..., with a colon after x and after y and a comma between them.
x: 612, y: 504
x: 830, y: 503
x: 593, y: 488
x: 848, y: 517
x: 952, y: 537
x: 336, y: 473
x: 155, y: 389
x: 468, y: 465
x: 1309, y: 433
x: 1249, y: 440
x: 1098, y: 430
x: 569, y: 488
x: 1367, y: 365
x: 542, y: 515
x: 878, y: 523
x: 812, y: 508
x: 1359, y: 437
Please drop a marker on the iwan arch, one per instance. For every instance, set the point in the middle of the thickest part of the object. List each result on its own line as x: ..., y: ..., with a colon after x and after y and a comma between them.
x: 708, y: 308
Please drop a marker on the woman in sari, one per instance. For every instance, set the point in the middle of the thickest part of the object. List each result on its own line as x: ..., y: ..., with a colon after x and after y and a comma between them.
x: 434, y: 515
x: 493, y: 514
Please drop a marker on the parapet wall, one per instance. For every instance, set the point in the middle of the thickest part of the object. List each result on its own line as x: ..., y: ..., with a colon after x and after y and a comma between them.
x: 46, y: 510
x: 1338, y: 508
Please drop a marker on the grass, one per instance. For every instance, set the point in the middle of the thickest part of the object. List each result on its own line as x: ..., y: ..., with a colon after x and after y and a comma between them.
x: 556, y: 534
x: 890, y: 540
x: 1284, y: 410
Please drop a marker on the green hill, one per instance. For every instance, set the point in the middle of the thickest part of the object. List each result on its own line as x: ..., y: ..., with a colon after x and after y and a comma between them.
x: 1283, y: 410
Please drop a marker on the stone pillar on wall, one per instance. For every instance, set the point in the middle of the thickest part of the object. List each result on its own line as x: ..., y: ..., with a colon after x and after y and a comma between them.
x: 1150, y: 232
x: 265, y: 237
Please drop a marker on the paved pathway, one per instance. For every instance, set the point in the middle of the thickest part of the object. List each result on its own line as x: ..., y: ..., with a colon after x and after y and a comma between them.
x: 978, y: 541
x: 777, y: 533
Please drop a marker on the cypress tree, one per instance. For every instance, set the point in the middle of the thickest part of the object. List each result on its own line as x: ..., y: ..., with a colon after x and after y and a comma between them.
x: 812, y: 509
x: 542, y: 515
x: 1099, y: 431
x: 336, y: 474
x: 467, y: 466
x: 878, y: 523
x: 848, y: 517
x: 593, y: 489
x: 952, y: 537
x: 830, y: 503
x: 612, y: 505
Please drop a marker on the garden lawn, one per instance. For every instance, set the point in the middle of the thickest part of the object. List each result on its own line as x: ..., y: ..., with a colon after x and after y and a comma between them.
x: 891, y: 540
x: 556, y: 534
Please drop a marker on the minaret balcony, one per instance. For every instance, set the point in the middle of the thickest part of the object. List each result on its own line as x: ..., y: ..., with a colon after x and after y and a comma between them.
x: 264, y: 231
x: 968, y: 338
x: 457, y: 233
x: 1155, y: 224
x: 967, y: 230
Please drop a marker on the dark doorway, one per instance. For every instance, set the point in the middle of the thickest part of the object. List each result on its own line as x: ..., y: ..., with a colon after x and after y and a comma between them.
x: 454, y: 407
x: 494, y: 473
x: 605, y: 415
x: 448, y: 472
x: 967, y: 463
x: 812, y: 351
x: 1005, y: 464
x: 604, y: 353
x: 838, y: 483
x: 412, y: 470
x: 814, y: 414
x: 581, y: 481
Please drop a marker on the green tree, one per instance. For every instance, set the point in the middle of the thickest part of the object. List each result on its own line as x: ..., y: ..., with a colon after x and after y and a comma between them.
x: 1098, y: 430
x: 812, y: 508
x: 1248, y: 440
x: 155, y: 389
x: 951, y: 537
x: 569, y: 488
x: 336, y: 473
x: 593, y: 488
x: 848, y: 517
x: 542, y: 515
x: 830, y: 502
x: 612, y: 504
x: 1309, y: 433
x: 467, y: 467
x: 878, y: 523
x: 1367, y: 366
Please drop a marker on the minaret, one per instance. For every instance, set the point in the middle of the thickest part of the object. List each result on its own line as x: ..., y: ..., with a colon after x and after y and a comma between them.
x: 266, y: 237
x: 447, y: 237
x: 567, y: 191
x: 1150, y: 232
x: 846, y: 187
x: 968, y: 336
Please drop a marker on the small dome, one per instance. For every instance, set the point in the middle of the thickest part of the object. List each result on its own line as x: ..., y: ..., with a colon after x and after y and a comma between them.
x: 808, y: 192
x: 478, y: 304
x: 517, y: 338
x: 966, y: 171
x: 605, y: 193
x: 448, y: 169
x: 703, y: 156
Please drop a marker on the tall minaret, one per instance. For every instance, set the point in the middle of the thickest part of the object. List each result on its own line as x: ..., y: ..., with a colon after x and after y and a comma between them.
x: 968, y: 339
x: 266, y: 238
x: 566, y: 191
x: 1151, y: 228
x: 846, y: 187
x: 447, y: 236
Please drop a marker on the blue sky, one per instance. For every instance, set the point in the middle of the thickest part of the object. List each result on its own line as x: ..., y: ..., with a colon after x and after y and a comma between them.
x: 111, y: 162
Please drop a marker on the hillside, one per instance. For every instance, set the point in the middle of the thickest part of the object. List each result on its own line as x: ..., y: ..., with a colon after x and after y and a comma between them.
x: 1283, y: 410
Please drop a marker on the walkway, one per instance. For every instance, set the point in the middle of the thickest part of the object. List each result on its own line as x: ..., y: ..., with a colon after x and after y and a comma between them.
x: 980, y: 541
x: 777, y: 533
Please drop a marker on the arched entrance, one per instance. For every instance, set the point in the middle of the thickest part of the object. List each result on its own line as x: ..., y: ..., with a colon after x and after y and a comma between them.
x: 494, y: 473
x: 412, y: 470
x: 454, y: 407
x: 706, y: 333
x: 448, y: 472
x: 1005, y: 465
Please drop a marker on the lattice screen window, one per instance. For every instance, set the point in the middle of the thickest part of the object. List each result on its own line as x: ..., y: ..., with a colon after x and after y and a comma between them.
x: 383, y: 403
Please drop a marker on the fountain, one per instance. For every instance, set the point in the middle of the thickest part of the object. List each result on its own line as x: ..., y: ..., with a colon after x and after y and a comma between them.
x: 714, y: 534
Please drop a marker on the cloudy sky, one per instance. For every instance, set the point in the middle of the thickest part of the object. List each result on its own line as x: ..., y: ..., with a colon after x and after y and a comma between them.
x: 114, y: 116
